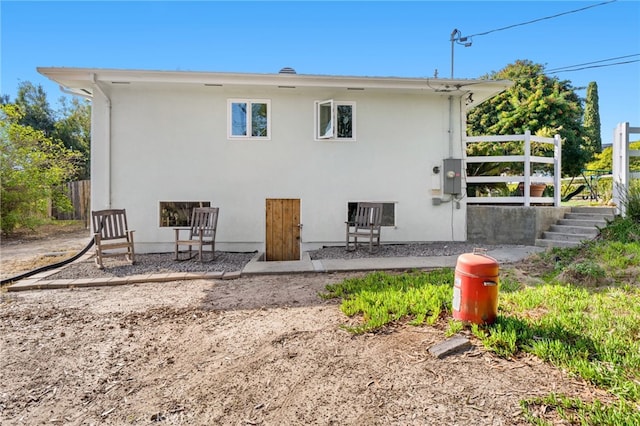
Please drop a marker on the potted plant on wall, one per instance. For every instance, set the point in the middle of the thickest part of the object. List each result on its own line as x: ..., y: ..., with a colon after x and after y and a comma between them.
x: 536, y: 189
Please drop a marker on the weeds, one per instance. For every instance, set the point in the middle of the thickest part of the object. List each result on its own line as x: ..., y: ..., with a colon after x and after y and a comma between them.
x: 575, y: 411
x: 626, y: 229
x: 454, y: 328
x: 631, y: 200
x: 623, y: 230
x: 586, y: 272
x: 591, y: 333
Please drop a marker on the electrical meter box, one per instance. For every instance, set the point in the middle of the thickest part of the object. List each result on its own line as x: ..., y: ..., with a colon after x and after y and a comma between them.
x: 452, y: 176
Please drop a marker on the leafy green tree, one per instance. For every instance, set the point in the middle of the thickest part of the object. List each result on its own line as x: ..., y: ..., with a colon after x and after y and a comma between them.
x: 536, y: 102
x: 604, y: 159
x: 37, y: 113
x: 32, y: 167
x: 592, y: 119
x: 71, y: 124
x: 74, y: 130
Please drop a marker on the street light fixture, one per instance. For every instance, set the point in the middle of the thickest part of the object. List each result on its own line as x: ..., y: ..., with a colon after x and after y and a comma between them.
x: 456, y: 36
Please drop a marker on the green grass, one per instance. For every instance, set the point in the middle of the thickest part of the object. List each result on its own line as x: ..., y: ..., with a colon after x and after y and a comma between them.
x: 576, y: 412
x: 617, y: 255
x: 383, y: 298
x: 590, y: 331
x: 594, y: 335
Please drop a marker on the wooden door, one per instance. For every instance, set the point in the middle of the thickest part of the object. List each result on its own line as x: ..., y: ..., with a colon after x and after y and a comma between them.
x: 283, y: 229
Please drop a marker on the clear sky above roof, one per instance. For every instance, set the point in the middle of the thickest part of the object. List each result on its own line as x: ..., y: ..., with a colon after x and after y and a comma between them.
x: 400, y: 39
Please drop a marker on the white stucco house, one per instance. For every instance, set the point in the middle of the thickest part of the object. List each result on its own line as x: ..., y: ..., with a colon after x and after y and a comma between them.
x: 282, y: 155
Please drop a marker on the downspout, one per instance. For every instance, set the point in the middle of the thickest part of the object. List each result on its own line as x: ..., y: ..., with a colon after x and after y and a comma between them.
x: 108, y: 139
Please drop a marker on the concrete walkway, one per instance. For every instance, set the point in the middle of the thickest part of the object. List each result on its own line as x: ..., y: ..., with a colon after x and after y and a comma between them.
x: 258, y: 267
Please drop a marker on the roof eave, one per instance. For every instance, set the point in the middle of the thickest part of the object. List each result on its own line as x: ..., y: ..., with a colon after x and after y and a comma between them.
x: 83, y: 79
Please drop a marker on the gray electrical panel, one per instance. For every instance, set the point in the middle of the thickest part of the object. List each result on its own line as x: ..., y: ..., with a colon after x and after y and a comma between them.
x: 452, y: 176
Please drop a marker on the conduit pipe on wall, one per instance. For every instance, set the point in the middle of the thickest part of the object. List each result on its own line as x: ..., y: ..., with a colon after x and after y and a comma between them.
x: 450, y: 126
x: 108, y: 140
x: 462, y: 113
x: 461, y: 116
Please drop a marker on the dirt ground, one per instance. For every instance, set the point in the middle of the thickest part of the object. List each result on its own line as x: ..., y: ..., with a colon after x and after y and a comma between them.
x: 26, y: 250
x: 252, y: 351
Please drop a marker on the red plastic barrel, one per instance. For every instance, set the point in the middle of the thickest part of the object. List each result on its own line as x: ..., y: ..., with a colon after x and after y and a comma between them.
x: 475, y: 288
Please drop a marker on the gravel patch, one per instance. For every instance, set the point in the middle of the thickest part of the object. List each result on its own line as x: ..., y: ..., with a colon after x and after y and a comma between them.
x: 159, y: 263
x: 446, y: 248
x: 156, y: 263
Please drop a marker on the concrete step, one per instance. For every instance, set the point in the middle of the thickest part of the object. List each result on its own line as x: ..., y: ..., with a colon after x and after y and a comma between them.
x: 568, y: 229
x: 594, y: 210
x: 582, y: 222
x: 579, y: 225
x: 560, y: 236
x: 589, y: 216
x: 556, y: 243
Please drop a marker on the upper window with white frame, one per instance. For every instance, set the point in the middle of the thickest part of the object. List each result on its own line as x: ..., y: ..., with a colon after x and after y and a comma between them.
x: 335, y: 120
x: 249, y: 119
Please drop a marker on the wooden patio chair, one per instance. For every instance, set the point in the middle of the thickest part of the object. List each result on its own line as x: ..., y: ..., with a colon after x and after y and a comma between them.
x: 111, y: 235
x: 366, y: 224
x: 201, y: 232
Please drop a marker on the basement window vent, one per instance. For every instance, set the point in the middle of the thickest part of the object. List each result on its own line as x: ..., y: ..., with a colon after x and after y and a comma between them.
x: 388, y: 212
x: 178, y: 213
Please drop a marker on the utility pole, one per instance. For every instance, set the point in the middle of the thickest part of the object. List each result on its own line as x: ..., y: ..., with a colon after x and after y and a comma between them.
x: 456, y: 37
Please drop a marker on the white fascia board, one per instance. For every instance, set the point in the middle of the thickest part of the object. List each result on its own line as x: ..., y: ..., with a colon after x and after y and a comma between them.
x: 82, y: 78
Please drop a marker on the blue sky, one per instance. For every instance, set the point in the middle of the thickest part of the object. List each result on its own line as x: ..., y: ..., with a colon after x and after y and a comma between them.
x: 402, y: 39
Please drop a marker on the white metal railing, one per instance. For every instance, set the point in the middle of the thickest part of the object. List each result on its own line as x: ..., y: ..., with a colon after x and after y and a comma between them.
x: 526, y: 178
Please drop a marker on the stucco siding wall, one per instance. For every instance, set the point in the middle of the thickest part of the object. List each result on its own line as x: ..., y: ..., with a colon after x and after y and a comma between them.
x: 100, y: 198
x: 170, y: 144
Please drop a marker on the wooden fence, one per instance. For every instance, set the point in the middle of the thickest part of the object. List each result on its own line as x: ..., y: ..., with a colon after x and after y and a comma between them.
x: 79, y: 193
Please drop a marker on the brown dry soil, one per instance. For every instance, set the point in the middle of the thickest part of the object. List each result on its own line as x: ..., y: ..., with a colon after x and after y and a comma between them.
x: 260, y: 350
x: 26, y: 249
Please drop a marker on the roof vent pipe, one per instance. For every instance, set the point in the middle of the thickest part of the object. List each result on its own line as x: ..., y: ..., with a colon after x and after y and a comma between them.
x: 287, y: 70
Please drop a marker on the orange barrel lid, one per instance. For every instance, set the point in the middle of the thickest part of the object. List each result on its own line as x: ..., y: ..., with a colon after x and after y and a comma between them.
x: 479, y: 265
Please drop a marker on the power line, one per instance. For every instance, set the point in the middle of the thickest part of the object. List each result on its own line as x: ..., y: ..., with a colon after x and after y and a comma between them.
x: 542, y: 19
x: 595, y: 62
x: 595, y: 66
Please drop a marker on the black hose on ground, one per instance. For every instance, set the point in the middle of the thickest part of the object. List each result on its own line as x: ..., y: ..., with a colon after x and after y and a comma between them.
x: 47, y: 267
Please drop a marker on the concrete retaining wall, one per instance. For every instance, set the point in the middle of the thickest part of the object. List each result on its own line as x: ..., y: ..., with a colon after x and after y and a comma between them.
x: 510, y: 224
